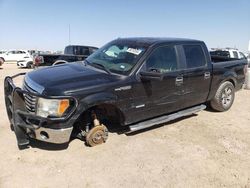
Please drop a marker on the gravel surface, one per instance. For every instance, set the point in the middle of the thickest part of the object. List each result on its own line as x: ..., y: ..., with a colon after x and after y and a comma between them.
x: 205, y: 150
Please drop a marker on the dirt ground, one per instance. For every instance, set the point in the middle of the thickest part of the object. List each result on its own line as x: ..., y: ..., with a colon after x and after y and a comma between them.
x: 207, y: 150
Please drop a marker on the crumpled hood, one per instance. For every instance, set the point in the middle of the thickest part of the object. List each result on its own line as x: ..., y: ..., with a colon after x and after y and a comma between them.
x: 67, y: 78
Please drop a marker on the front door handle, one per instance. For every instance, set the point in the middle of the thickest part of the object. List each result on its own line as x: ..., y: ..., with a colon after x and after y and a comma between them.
x: 179, y: 80
x: 207, y: 75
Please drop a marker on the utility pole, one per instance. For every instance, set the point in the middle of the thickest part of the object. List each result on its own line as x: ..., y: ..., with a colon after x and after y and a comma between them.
x: 69, y: 35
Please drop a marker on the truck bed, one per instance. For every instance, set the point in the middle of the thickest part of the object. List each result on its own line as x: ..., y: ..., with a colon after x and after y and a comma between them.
x: 50, y: 59
x: 227, y: 69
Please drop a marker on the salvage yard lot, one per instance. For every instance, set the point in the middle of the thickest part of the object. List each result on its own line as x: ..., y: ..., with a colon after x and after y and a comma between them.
x: 207, y: 150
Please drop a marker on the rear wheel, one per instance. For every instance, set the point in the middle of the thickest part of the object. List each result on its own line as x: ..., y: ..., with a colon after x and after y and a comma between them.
x: 224, y: 97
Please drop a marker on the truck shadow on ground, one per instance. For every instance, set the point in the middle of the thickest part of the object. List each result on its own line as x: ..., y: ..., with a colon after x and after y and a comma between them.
x: 47, y: 146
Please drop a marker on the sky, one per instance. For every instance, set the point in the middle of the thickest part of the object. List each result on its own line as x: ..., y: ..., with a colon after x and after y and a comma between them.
x: 44, y: 24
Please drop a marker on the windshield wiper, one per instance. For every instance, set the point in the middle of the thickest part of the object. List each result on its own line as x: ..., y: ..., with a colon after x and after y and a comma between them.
x: 98, y: 65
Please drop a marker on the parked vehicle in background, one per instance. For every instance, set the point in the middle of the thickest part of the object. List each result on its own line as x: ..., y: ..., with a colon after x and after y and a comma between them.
x: 15, y: 55
x: 33, y: 52
x: 72, y: 53
x: 228, y: 52
x: 129, y: 84
x: 1, y: 62
x: 26, y: 63
x: 2, y: 52
x: 248, y: 59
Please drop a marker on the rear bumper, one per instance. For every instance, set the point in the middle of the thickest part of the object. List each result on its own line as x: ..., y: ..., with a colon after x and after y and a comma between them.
x: 28, y: 125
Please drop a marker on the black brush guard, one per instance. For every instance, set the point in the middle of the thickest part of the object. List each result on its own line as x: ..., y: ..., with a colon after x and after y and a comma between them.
x: 21, y: 120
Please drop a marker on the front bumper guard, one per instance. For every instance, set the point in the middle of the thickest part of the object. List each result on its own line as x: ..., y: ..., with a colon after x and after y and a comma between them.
x: 27, y: 125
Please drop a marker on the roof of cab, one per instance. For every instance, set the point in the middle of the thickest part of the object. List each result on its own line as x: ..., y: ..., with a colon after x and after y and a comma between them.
x: 148, y: 41
x: 81, y: 46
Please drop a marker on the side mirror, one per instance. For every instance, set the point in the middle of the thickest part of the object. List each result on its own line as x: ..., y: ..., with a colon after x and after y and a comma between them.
x: 151, y: 76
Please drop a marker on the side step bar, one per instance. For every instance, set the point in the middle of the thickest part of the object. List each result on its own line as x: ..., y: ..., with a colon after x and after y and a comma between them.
x: 165, y: 118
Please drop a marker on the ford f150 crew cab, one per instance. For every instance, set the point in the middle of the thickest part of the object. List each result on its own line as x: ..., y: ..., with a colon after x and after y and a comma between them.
x: 129, y: 84
x: 72, y: 53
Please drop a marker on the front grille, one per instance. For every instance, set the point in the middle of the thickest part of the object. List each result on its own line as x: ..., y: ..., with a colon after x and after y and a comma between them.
x: 30, y: 100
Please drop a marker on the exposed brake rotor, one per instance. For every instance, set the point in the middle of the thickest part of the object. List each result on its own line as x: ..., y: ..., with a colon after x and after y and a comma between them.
x: 97, y: 135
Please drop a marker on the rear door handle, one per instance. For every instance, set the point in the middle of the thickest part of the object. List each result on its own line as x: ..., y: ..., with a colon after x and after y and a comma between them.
x: 179, y: 80
x: 207, y: 75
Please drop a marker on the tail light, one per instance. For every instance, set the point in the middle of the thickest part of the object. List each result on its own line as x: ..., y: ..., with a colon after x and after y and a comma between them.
x: 38, y: 60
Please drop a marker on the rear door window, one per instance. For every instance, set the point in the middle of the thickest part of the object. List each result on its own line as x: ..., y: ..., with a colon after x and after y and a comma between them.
x: 195, y: 56
x: 84, y: 51
x: 80, y: 50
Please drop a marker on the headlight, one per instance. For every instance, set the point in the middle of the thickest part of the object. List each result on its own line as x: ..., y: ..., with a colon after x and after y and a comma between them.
x: 52, y: 107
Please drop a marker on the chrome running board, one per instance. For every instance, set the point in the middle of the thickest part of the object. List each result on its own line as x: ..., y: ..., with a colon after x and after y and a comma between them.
x: 165, y: 118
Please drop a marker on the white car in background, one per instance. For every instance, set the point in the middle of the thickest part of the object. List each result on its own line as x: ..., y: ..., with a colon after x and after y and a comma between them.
x: 22, y: 57
x: 228, y: 52
x: 15, y: 55
x: 26, y: 63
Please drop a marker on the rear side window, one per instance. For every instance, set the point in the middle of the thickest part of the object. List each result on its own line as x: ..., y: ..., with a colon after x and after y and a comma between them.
x: 20, y: 52
x: 68, y: 50
x: 163, y: 59
x: 195, y: 56
x: 79, y: 50
x: 11, y: 52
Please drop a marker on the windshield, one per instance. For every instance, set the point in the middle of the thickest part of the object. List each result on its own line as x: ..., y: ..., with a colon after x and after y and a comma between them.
x: 118, y: 56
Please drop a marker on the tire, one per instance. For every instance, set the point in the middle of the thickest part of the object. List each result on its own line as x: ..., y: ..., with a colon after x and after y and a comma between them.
x: 224, y: 97
x: 29, y: 65
x: 2, y: 59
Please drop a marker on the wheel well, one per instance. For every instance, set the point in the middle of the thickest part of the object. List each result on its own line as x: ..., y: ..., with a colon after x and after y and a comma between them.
x: 58, y: 62
x: 232, y: 81
x: 2, y: 59
x: 108, y: 114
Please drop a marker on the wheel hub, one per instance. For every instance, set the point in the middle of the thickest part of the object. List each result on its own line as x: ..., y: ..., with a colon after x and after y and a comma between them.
x: 97, y: 135
x: 226, y: 96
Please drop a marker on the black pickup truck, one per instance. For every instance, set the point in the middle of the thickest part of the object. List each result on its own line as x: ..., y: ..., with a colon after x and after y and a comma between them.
x: 129, y: 84
x: 72, y: 53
